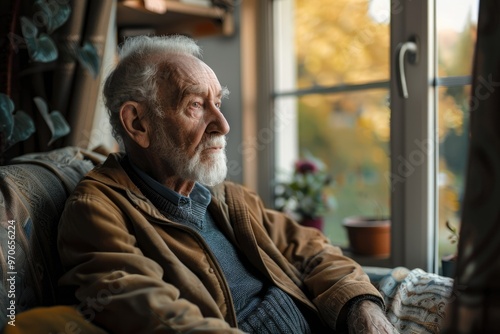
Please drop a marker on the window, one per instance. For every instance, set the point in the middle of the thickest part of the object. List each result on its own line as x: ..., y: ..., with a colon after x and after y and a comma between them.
x: 337, y: 95
x: 456, y: 35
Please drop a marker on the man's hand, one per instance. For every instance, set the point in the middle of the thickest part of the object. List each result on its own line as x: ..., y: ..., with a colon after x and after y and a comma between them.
x: 368, y: 317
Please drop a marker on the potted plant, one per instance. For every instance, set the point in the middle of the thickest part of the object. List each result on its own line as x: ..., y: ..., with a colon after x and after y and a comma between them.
x: 369, y: 236
x: 307, y: 194
x: 369, y: 233
x: 448, y: 262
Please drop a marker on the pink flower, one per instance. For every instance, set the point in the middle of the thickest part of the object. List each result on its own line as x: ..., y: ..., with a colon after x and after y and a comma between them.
x: 307, y: 192
x: 305, y: 166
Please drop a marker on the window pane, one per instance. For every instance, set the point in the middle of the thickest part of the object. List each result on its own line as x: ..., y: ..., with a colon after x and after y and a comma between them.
x: 456, y: 35
x: 453, y: 131
x: 350, y: 133
x: 341, y: 42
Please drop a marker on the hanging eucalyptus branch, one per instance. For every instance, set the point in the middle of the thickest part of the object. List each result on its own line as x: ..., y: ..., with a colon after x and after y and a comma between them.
x: 14, y: 127
x: 41, y: 46
x: 19, y: 126
x: 49, y: 15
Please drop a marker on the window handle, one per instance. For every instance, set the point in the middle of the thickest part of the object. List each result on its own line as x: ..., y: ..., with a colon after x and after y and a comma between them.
x: 402, y: 49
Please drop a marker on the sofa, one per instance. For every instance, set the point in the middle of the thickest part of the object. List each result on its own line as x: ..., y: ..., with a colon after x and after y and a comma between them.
x: 33, y: 190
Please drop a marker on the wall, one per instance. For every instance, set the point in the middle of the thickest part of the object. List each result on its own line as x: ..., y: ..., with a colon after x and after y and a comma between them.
x: 223, y: 55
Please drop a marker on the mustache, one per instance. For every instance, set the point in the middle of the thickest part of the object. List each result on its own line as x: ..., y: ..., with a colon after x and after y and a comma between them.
x: 214, y: 141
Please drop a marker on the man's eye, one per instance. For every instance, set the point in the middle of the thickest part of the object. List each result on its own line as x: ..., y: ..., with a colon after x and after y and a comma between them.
x: 196, y: 104
x: 218, y: 105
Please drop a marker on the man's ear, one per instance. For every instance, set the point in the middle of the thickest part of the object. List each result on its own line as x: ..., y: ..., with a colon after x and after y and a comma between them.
x: 132, y: 116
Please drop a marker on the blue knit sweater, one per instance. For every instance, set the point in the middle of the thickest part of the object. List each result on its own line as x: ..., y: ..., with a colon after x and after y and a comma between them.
x: 260, y: 306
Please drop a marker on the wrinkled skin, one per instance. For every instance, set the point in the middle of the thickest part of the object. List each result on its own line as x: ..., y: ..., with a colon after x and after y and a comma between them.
x: 368, y: 318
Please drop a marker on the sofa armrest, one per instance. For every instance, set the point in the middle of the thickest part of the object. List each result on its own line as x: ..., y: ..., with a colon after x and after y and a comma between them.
x: 33, y: 191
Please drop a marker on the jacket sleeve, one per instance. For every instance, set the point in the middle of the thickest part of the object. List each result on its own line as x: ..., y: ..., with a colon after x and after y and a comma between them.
x: 118, y: 288
x: 329, y: 279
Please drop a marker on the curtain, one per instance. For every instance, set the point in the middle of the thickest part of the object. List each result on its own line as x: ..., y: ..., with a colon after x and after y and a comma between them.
x: 85, y: 92
x: 476, y: 303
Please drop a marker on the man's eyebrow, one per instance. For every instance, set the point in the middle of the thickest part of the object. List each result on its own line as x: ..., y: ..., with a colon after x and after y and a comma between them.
x: 195, y: 89
x: 224, y: 93
x: 200, y: 90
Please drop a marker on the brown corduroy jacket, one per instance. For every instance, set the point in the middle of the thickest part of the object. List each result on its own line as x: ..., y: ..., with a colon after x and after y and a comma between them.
x: 137, y: 272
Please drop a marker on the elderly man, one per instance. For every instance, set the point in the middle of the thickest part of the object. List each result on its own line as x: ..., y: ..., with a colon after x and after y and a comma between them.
x: 154, y: 240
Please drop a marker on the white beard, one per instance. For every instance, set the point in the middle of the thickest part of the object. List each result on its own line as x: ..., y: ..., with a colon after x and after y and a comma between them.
x: 213, y: 170
x: 210, y: 171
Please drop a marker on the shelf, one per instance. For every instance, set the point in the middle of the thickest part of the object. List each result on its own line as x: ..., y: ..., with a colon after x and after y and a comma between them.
x: 175, y: 17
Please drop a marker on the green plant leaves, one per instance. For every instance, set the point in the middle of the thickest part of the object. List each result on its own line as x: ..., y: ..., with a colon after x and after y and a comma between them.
x: 55, y: 120
x: 14, y: 127
x: 40, y: 48
x: 24, y: 127
x: 19, y: 126
x: 53, y: 13
x: 6, y: 119
x: 306, y: 193
x: 88, y: 58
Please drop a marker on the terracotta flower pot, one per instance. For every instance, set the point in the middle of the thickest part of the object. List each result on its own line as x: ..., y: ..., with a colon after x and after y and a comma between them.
x: 369, y: 236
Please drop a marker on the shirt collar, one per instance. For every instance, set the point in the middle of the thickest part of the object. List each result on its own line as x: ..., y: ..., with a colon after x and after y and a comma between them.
x: 199, y: 194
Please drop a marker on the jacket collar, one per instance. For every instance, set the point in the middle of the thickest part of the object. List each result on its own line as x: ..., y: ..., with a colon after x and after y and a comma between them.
x: 112, y: 174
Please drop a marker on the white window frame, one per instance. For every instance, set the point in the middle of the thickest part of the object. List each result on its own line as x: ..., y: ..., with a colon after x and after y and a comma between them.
x: 413, y: 132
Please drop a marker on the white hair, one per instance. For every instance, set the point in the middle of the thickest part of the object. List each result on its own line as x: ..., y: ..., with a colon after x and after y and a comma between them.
x: 134, y: 77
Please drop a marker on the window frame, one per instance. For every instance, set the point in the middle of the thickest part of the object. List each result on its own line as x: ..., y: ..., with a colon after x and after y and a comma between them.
x: 413, y: 202
x: 414, y: 141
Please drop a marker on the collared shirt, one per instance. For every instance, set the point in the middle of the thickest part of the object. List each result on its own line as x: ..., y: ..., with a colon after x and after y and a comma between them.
x: 194, y: 206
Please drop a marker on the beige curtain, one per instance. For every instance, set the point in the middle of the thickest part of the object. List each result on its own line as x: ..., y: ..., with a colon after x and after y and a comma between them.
x: 476, y: 303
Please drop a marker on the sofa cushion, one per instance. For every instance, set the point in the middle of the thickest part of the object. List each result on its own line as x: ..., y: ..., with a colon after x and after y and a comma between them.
x: 33, y: 190
x: 53, y: 319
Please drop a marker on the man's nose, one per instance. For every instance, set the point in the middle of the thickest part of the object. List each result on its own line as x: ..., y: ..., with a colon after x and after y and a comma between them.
x: 218, y: 123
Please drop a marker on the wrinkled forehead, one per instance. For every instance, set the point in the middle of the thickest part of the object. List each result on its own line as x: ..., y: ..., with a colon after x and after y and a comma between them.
x: 179, y: 76
x: 185, y: 71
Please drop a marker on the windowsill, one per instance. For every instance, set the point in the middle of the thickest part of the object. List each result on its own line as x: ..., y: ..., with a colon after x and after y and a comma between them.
x: 372, y: 261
